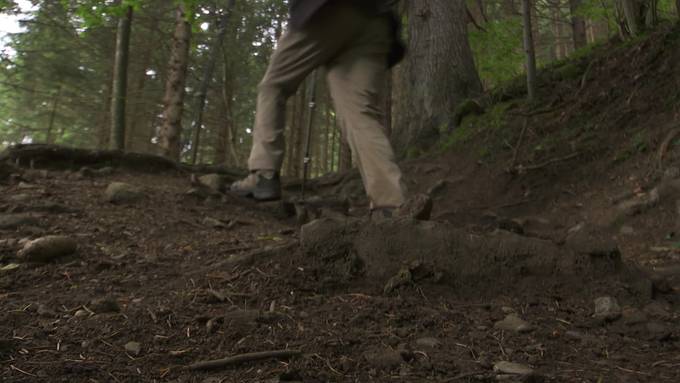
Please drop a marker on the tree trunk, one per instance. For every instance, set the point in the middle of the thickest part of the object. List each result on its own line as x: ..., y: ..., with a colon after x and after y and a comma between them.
x: 140, y: 105
x: 120, y: 79
x: 634, y: 16
x: 439, y: 73
x: 578, y: 25
x: 334, y: 140
x: 529, y: 50
x: 53, y: 115
x: 173, y: 102
x: 207, y: 78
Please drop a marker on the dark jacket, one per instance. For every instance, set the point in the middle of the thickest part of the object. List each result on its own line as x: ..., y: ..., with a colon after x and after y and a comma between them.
x: 302, y: 11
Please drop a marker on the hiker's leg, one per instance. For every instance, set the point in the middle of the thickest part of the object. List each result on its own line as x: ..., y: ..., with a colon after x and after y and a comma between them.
x: 298, y: 53
x: 356, y: 79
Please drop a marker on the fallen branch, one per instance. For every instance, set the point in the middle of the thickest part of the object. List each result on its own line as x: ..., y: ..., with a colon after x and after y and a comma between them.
x: 663, y: 149
x: 243, y: 358
x: 519, y: 142
x: 523, y: 169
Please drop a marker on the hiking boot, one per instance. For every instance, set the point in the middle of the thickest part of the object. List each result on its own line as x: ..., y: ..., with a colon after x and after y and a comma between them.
x: 261, y: 185
x: 418, y: 207
x: 382, y: 214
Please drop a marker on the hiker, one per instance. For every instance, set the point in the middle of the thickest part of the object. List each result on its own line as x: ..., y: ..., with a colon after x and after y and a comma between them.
x: 357, y: 42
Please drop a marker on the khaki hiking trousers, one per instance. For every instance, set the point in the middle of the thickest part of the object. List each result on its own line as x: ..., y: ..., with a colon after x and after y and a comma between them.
x: 353, y: 47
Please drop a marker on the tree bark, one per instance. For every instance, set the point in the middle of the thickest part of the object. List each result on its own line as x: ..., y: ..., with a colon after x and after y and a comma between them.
x: 171, y: 131
x: 120, y: 79
x: 529, y: 50
x: 53, y: 115
x: 438, y: 74
x: 578, y: 25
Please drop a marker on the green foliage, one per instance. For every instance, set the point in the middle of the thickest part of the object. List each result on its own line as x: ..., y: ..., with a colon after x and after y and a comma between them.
x: 492, y: 120
x: 498, y: 50
x: 7, y: 5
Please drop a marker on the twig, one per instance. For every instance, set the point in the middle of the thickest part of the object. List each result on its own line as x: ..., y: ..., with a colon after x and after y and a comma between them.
x: 663, y: 149
x: 521, y: 169
x: 463, y: 376
x: 22, y: 371
x: 584, y: 78
x: 243, y: 358
x: 519, y: 142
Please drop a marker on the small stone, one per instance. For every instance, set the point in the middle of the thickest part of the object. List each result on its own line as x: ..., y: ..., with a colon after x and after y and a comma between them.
x: 14, y: 221
x: 574, y: 335
x: 512, y: 368
x: 104, y: 305
x: 627, y: 230
x: 105, y: 171
x: 657, y: 310
x: 45, y: 311
x: 26, y: 186
x: 658, y: 331
x: 120, y: 192
x: 215, y: 182
x: 428, y: 342
x: 81, y: 313
x: 48, y: 248
x: 514, y: 323
x: 133, y: 348
x: 607, y: 308
x: 20, y: 198
x: 632, y: 317
x: 214, y: 223
x: 385, y: 359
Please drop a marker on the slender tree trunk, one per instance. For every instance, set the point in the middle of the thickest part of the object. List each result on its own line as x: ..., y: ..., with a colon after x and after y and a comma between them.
x: 578, y: 25
x: 345, y: 155
x: 207, y: 78
x: 634, y: 16
x: 171, y: 131
x: 440, y: 72
x: 529, y: 50
x: 53, y: 115
x: 677, y: 7
x: 104, y: 131
x: 134, y: 138
x: 120, y: 79
x: 334, y: 143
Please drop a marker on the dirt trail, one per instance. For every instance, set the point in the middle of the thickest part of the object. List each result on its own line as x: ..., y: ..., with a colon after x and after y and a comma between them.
x: 152, y: 288
x: 533, y: 256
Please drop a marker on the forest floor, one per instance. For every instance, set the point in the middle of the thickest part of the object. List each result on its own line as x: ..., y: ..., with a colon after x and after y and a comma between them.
x: 171, y: 278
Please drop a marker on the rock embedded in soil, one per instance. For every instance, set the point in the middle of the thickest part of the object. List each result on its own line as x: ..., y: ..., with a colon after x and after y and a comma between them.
x: 214, y: 223
x: 658, y: 331
x: 512, y: 368
x: 514, y: 323
x: 133, y: 348
x: 47, y: 249
x: 15, y: 221
x: 386, y: 359
x: 104, y: 305
x: 215, y: 182
x: 607, y: 308
x: 120, y: 192
x: 428, y: 342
